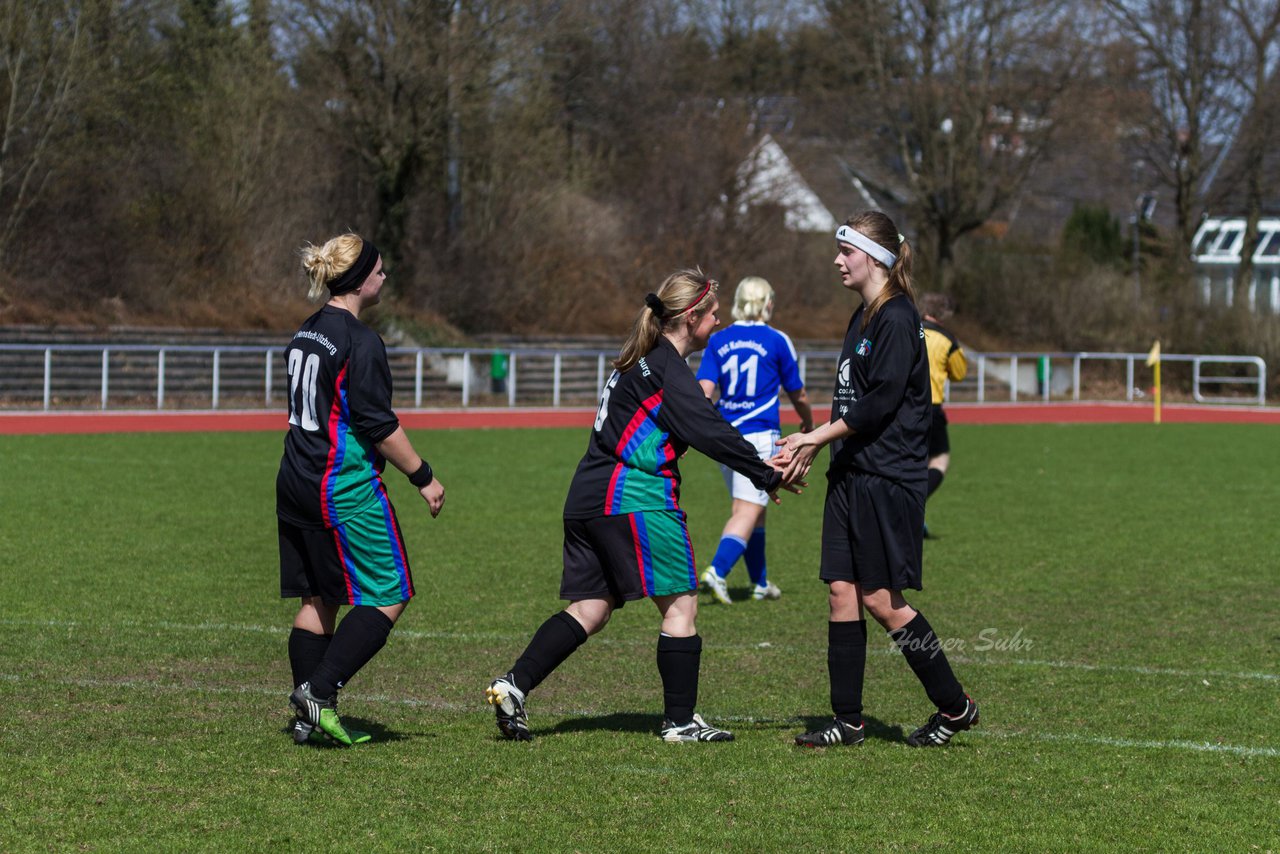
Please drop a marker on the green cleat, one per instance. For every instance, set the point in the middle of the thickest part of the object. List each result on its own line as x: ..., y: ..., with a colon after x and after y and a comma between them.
x: 305, y: 733
x: 332, y: 726
x: 322, y: 714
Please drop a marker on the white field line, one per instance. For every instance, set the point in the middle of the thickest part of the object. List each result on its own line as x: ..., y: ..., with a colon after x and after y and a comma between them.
x: 462, y: 708
x: 1197, y: 746
x: 415, y: 634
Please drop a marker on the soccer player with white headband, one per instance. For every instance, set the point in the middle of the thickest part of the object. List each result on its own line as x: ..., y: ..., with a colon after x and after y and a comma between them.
x: 873, y: 518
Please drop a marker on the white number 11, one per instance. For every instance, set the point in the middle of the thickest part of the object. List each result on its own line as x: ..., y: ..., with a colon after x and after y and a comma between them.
x: 748, y: 367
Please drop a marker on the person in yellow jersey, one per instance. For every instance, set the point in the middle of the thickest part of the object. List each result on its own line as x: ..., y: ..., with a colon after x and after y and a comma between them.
x: 946, y: 362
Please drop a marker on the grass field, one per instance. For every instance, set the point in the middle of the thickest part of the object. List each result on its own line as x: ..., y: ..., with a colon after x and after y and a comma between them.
x: 1114, y: 590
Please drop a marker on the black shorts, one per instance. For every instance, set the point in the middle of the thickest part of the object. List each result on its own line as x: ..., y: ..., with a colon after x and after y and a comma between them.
x: 872, y: 531
x: 626, y: 557
x: 939, y: 443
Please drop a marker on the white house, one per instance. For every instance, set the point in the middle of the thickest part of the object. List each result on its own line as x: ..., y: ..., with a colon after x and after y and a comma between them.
x: 1216, y: 251
x: 816, y: 185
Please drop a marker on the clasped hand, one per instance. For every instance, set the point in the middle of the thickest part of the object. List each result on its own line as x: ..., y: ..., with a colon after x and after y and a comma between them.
x: 794, y: 457
x: 792, y: 460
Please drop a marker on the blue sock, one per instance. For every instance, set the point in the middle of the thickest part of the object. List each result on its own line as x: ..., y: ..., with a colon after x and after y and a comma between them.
x: 754, y: 557
x: 731, y: 548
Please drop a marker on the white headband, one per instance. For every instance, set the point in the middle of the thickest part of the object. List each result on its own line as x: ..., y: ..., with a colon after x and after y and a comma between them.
x: 845, y: 234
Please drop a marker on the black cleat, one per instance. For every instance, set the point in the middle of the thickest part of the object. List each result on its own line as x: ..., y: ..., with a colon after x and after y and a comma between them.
x: 941, y: 727
x: 695, y: 730
x: 838, y: 732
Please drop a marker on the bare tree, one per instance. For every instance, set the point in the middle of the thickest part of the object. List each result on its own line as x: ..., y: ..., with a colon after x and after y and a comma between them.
x: 40, y: 47
x: 1185, y: 59
x: 1259, y: 22
x: 403, y: 84
x: 962, y: 93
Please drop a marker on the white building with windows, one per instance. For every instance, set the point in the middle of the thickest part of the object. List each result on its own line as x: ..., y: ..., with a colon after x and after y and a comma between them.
x: 1216, y: 251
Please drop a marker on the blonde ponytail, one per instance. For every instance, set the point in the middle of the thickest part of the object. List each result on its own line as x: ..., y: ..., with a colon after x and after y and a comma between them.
x: 685, y: 292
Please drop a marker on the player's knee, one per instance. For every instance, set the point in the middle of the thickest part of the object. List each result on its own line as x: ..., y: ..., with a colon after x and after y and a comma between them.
x: 601, y: 620
x: 879, y: 605
x: 844, y: 602
x: 592, y: 615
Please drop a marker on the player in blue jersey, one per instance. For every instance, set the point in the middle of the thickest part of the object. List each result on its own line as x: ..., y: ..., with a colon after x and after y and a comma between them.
x: 873, y: 519
x: 745, y: 366
x: 340, y: 542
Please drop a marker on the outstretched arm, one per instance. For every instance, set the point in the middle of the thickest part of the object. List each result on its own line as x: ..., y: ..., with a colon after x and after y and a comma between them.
x: 686, y: 413
x: 797, y: 451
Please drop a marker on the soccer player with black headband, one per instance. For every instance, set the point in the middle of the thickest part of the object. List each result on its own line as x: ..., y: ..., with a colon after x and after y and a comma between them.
x: 873, y: 519
x: 625, y: 535
x: 340, y: 541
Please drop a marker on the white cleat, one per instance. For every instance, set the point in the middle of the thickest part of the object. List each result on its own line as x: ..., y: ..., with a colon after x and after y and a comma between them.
x: 768, y: 590
x: 713, y: 582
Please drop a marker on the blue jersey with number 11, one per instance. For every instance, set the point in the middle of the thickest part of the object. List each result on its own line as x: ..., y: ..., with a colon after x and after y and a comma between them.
x: 749, y: 361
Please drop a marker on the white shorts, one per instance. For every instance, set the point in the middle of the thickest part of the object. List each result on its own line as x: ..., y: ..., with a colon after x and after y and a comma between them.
x: 742, y: 487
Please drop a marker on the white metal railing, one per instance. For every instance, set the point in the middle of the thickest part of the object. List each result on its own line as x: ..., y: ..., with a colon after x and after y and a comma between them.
x: 146, y: 375
x: 1253, y: 377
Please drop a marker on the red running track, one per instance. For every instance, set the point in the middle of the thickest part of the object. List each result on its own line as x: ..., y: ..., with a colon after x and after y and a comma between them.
x: 17, y: 423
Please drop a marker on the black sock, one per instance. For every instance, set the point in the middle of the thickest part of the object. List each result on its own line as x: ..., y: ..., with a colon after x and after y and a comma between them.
x: 935, y: 480
x: 556, y: 639
x: 846, y: 662
x: 923, y: 652
x: 362, y: 632
x: 306, y: 651
x: 678, y: 662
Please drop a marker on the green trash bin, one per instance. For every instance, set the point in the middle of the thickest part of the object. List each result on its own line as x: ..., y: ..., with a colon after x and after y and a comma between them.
x: 498, y: 366
x: 1044, y: 376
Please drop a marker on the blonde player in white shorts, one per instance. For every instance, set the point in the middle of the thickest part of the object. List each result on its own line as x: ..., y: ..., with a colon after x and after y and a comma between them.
x: 745, y: 369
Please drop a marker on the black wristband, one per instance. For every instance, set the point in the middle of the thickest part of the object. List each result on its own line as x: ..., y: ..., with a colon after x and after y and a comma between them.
x: 423, y: 476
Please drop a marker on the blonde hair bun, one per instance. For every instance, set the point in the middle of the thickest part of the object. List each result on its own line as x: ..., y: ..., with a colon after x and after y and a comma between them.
x: 753, y: 300
x: 323, y: 264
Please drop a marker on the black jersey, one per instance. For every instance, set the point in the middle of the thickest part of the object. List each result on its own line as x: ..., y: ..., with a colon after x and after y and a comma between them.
x: 882, y: 392
x: 339, y: 409
x: 648, y: 417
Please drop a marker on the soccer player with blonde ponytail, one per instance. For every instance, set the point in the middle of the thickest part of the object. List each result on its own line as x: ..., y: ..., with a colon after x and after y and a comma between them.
x: 625, y: 534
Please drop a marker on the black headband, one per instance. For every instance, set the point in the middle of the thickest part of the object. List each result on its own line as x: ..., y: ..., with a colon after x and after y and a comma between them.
x: 354, y: 276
